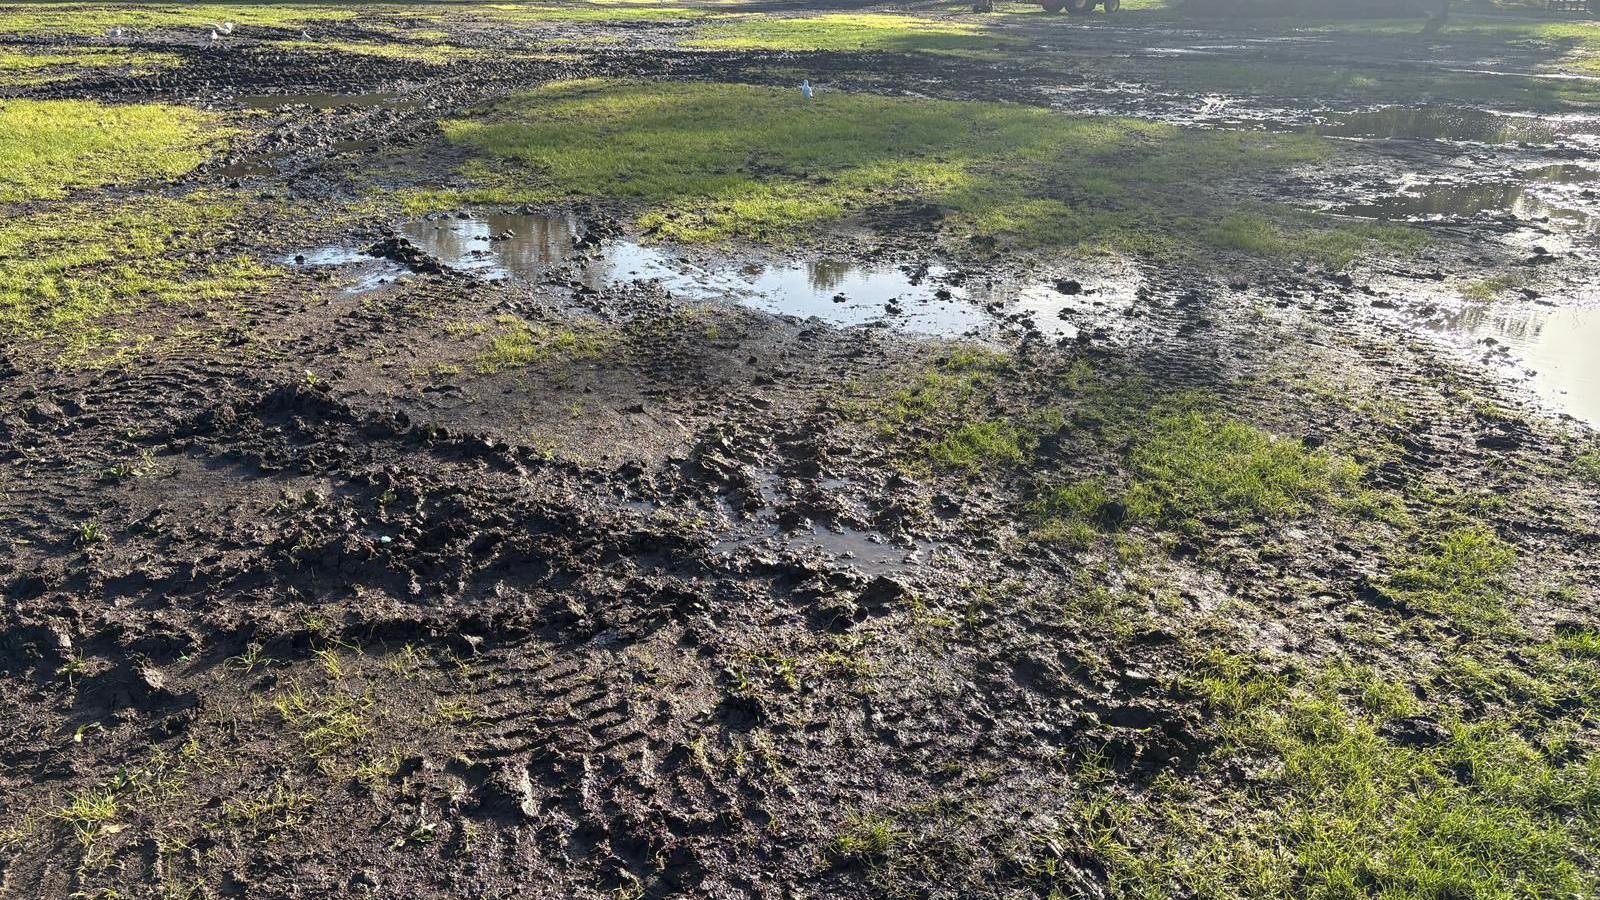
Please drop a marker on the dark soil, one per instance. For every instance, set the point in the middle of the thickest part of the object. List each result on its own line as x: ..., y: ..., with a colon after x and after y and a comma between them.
x: 659, y: 622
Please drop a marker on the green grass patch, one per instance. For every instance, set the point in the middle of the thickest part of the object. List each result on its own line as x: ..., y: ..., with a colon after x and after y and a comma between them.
x: 596, y: 12
x: 1196, y: 465
x: 48, y: 147
x: 979, y: 445
x: 1191, y: 466
x: 99, y: 18
x: 708, y: 162
x: 21, y: 67
x: 1485, y: 290
x: 1587, y: 468
x: 325, y: 722
x: 867, y: 838
x: 1335, y: 808
x: 848, y: 32
x: 429, y: 54
x: 64, y: 272
x: 516, y: 344
x: 1461, y: 577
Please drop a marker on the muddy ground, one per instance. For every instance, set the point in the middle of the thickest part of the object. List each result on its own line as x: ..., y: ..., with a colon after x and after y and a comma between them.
x: 304, y: 599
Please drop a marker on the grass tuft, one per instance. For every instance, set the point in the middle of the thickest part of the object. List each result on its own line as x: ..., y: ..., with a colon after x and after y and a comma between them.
x: 1461, y: 577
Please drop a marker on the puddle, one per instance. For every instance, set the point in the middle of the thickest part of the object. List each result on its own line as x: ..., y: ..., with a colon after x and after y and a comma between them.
x: 528, y: 246
x: 868, y: 551
x: 924, y: 299
x: 388, y: 99
x: 361, y: 272
x: 1456, y: 201
x: 1432, y: 123
x: 1564, y: 173
x: 1560, y: 345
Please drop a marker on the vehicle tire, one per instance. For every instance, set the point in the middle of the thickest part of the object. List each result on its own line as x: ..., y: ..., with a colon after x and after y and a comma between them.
x: 1079, y: 7
x: 1111, y: 6
x: 1052, y: 6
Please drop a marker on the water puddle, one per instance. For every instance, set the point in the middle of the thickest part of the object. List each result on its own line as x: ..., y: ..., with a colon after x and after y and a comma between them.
x: 360, y: 272
x: 925, y: 299
x: 1439, y: 201
x: 1560, y: 346
x: 868, y: 551
x: 1436, y: 123
x: 531, y: 245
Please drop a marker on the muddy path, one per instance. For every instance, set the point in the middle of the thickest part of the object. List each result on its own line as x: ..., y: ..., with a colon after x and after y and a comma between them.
x: 511, y: 550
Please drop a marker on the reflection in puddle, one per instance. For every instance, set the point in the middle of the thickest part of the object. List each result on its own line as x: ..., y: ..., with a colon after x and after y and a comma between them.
x: 364, y: 273
x: 1561, y: 345
x: 1433, y: 123
x: 531, y: 245
x: 925, y: 299
x: 1449, y: 201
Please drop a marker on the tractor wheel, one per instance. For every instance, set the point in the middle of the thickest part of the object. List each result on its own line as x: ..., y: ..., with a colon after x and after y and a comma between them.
x: 1112, y: 6
x: 1079, y: 7
x: 1052, y: 6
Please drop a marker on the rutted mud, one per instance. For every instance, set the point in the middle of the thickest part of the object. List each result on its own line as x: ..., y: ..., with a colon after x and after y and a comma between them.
x: 660, y: 606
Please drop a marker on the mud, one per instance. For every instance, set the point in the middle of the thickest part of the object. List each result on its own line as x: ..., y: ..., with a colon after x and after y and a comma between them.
x: 653, y: 617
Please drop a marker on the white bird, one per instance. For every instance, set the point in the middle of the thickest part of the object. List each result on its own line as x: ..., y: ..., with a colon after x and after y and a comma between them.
x: 213, y: 37
x: 805, y: 88
x: 116, y: 32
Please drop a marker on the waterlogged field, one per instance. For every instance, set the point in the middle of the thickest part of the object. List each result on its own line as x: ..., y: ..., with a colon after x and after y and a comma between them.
x: 463, y: 449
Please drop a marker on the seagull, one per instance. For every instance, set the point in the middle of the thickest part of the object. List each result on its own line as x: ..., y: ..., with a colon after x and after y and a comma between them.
x: 805, y: 88
x: 213, y: 37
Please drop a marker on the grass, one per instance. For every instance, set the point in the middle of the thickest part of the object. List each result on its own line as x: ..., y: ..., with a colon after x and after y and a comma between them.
x: 1192, y: 466
x: 1337, y: 809
x: 1561, y: 48
x: 848, y: 32
x: 709, y: 162
x: 1461, y: 577
x: 87, y: 811
x: 429, y: 54
x: 48, y: 147
x: 65, y: 272
x: 326, y: 723
x: 979, y: 445
x: 269, y: 810
x: 19, y: 68
x: 1587, y: 468
x: 1196, y: 465
x: 596, y: 12
x: 516, y: 344
x: 99, y: 18
x: 867, y: 837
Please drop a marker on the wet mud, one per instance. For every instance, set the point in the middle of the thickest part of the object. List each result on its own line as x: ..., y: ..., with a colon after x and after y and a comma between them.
x: 356, y: 611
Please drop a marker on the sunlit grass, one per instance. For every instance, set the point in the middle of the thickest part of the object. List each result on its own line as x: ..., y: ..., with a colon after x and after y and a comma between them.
x: 48, y: 147
x: 1335, y: 808
x: 848, y: 32
x: 99, y: 18
x: 63, y: 272
x: 708, y: 162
